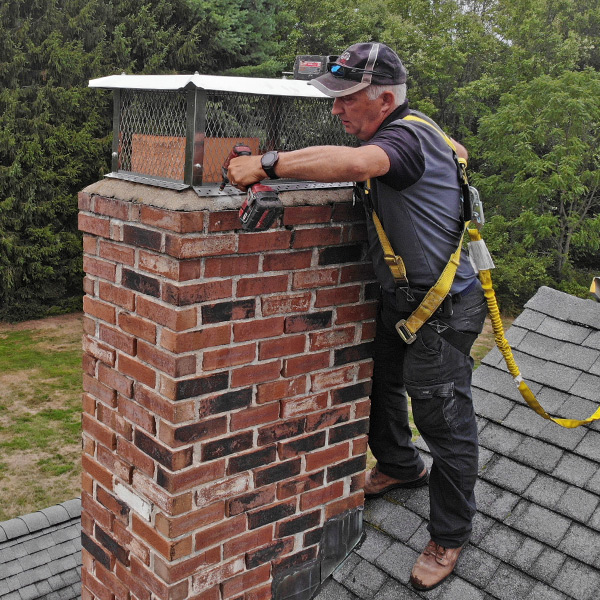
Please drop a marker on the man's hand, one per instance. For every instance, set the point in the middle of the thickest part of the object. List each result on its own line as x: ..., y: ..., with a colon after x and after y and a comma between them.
x: 244, y: 171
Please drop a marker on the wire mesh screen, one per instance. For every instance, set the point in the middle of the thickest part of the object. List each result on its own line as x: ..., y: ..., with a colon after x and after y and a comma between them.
x: 153, y: 131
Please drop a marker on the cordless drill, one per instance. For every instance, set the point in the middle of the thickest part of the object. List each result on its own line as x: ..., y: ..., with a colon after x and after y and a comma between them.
x: 262, y: 204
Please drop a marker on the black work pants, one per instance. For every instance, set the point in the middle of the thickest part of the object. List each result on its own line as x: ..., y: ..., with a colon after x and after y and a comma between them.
x: 437, y: 378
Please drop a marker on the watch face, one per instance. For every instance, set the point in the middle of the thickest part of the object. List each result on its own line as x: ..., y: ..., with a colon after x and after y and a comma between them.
x: 269, y: 159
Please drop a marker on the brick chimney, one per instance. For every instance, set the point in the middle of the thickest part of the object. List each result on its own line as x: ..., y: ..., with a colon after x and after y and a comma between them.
x: 226, y: 383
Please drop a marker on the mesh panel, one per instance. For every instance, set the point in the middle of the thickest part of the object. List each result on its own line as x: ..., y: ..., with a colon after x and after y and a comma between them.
x: 152, y: 134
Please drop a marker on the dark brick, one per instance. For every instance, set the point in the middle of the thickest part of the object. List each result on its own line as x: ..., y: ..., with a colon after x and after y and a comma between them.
x: 225, y: 402
x: 351, y: 392
x: 340, y: 254
x: 266, y: 554
x: 277, y: 472
x: 161, y: 453
x: 247, y: 502
x: 225, y: 446
x: 343, y: 356
x: 202, y: 385
x: 251, y: 460
x: 310, y: 322
x: 346, y: 468
x: 264, y: 516
x: 313, y: 537
x: 295, y: 560
x: 372, y: 290
x: 298, y: 524
x: 96, y: 551
x: 227, y: 311
x: 287, y: 429
x: 305, y: 444
x: 140, y: 283
x: 142, y: 238
x: 349, y: 430
x: 196, y: 431
x: 120, y: 553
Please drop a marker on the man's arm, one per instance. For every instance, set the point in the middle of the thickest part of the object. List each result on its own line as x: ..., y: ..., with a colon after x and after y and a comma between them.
x: 317, y: 163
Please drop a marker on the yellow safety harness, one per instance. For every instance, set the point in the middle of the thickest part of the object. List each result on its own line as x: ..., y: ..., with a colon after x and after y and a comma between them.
x: 407, y: 328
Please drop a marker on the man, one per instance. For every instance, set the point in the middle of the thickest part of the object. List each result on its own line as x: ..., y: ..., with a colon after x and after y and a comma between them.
x: 415, y: 191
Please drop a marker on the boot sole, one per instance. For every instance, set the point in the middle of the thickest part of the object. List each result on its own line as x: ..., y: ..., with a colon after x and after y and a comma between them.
x: 407, y: 485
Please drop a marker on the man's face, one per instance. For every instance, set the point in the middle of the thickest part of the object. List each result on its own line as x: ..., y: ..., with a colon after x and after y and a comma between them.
x: 359, y: 115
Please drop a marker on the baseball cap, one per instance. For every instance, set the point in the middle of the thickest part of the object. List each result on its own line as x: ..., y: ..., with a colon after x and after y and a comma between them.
x: 360, y: 66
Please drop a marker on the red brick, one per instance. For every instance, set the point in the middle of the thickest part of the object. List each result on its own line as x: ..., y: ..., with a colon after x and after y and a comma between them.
x: 284, y: 388
x: 192, y: 477
x: 170, y: 504
x: 114, y: 379
x: 363, y: 272
x: 97, y: 471
x: 120, y: 590
x: 115, y: 421
x: 177, y: 221
x: 175, y: 319
x: 285, y: 304
x: 287, y: 261
x: 259, y: 593
x: 314, y: 278
x: 253, y: 374
x: 181, y: 435
x: 116, y: 507
x: 99, y: 268
x: 258, y: 329
x: 90, y: 244
x: 248, y: 541
x: 137, y: 414
x: 98, y: 431
x: 321, y: 496
x: 174, y: 460
x: 359, y: 445
x: 112, y: 207
x: 136, y: 457
x: 140, y: 328
x: 296, y: 407
x: 99, y: 351
x: 256, y: 286
x: 285, y: 346
x: 175, y: 412
x: 190, y: 341
x: 94, y: 225
x: 220, y: 532
x: 99, y: 590
x: 329, y: 456
x: 337, y: 296
x: 183, y: 295
x: 368, y: 331
x: 116, y: 295
x: 247, y: 580
x: 171, y: 550
x: 263, y: 242
x: 301, y: 445
x: 96, y: 511
x: 89, y: 285
x: 114, y: 464
x: 344, y: 504
x: 223, y: 490
x: 228, y: 357
x: 331, y: 338
x: 253, y: 499
x: 99, y: 390
x: 348, y: 211
x: 179, y: 591
x: 85, y: 202
x: 118, y: 253
x: 130, y: 542
x: 134, y: 368
x: 319, y: 236
x: 135, y: 585
x: 183, y: 569
x: 195, y: 246
x: 305, y: 363
x: 362, y: 409
x: 209, y: 578
x: 223, y: 220
x: 176, y: 366
x: 305, y: 215
x: 172, y: 527
x: 334, y: 378
x: 328, y: 418
x: 258, y: 415
x: 100, y: 310
x: 229, y: 266
x: 117, y: 339
x: 88, y: 404
x: 352, y: 314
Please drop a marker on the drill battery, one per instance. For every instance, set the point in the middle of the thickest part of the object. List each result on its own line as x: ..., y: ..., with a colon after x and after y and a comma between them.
x: 260, y: 208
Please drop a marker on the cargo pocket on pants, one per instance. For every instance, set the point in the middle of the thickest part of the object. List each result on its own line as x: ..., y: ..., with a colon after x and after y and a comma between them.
x: 433, y: 406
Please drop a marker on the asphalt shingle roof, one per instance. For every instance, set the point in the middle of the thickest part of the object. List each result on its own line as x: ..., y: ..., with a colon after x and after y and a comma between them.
x: 40, y: 554
x: 537, y: 531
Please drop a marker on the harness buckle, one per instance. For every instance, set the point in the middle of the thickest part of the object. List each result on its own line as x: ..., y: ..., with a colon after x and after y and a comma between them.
x: 404, y: 332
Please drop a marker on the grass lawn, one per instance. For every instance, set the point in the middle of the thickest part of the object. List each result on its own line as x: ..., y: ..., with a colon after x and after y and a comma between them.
x: 40, y: 412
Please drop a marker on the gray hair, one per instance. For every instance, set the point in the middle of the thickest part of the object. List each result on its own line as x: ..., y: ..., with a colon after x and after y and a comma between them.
x: 399, y: 91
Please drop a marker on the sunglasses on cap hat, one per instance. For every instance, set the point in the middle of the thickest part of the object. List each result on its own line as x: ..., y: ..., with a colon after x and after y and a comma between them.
x: 353, y: 72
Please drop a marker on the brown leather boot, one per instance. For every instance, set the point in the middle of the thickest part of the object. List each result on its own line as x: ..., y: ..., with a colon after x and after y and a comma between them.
x: 433, y: 566
x: 378, y: 483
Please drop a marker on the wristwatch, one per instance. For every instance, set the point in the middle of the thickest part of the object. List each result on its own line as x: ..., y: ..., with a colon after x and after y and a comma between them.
x: 268, y: 162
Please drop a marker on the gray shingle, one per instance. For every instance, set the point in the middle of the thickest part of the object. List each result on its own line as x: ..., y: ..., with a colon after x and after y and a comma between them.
x: 457, y: 588
x: 577, y: 580
x: 581, y: 543
x: 526, y: 554
x: 529, y: 319
x: 509, y: 474
x: 523, y: 419
x: 476, y: 566
x: 593, y: 340
x: 577, y: 504
x: 73, y: 507
x: 559, y: 330
x: 502, y: 542
x: 545, y: 490
x: 494, y: 501
x: 499, y: 439
x: 15, y: 528
x: 374, y: 543
x: 590, y: 445
x: 586, y: 386
x: 509, y: 583
x: 537, y: 454
x: 36, y: 521
x: 561, y: 436
x: 392, y: 590
x: 491, y: 406
x: 493, y: 358
x: 56, y: 514
x: 365, y: 580
x: 543, y: 592
x: 547, y: 565
x: 575, y: 469
x: 398, y: 560
x: 332, y: 590
x: 559, y: 352
x: 539, y: 523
